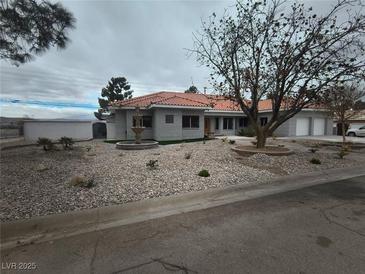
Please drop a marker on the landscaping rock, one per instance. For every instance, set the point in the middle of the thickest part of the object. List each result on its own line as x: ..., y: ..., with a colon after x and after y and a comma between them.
x: 261, y: 158
x: 26, y: 192
x: 41, y: 167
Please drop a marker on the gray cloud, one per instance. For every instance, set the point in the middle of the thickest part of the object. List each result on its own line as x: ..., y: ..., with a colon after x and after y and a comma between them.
x: 141, y: 40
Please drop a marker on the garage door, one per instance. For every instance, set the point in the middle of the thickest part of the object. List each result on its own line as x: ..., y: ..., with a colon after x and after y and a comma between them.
x: 302, y: 127
x: 319, y: 126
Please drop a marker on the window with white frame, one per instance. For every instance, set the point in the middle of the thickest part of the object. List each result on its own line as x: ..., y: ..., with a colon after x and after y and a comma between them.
x: 190, y: 121
x: 227, y: 123
x: 169, y: 119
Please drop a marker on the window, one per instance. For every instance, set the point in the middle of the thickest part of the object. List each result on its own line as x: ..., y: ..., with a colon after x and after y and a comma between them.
x: 263, y: 121
x: 146, y: 121
x: 216, y: 123
x: 241, y: 122
x: 245, y: 122
x: 227, y: 123
x: 190, y: 121
x: 169, y: 119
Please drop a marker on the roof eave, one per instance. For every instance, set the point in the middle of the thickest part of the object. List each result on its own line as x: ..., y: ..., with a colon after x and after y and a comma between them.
x: 179, y: 107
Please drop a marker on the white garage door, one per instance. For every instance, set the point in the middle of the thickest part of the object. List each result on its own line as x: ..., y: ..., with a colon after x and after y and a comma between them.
x: 302, y: 127
x: 319, y: 126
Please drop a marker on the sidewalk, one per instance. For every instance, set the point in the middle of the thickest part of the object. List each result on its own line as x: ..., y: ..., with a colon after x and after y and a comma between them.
x: 46, y: 228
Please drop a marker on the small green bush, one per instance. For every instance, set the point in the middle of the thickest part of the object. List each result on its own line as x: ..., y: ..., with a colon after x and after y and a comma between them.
x: 46, y: 143
x: 204, y: 173
x: 247, y: 131
x: 313, y: 150
x: 66, y: 142
x: 315, y: 161
x: 232, y: 142
x: 152, y: 164
x: 187, y: 155
x: 224, y: 140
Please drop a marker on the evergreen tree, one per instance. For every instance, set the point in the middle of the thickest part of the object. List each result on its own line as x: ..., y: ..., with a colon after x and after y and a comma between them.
x: 117, y: 89
x: 29, y: 28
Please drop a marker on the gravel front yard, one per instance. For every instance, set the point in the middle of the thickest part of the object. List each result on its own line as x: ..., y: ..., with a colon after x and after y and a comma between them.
x: 34, y: 182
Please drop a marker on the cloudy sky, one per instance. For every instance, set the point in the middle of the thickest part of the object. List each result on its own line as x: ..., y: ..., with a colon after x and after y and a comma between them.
x: 144, y: 41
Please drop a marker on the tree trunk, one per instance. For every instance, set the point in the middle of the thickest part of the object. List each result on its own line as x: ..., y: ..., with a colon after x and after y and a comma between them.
x: 260, y: 138
x: 343, y: 134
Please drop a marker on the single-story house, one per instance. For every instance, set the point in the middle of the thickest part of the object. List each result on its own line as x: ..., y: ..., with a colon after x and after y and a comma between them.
x: 178, y: 116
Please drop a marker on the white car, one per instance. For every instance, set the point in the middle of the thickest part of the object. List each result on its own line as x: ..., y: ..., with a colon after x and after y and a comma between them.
x: 356, y: 131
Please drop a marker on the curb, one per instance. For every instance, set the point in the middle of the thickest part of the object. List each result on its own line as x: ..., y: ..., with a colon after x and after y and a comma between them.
x: 52, y: 227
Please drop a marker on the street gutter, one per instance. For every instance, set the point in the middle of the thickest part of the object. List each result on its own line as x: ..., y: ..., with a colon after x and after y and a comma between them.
x: 52, y: 227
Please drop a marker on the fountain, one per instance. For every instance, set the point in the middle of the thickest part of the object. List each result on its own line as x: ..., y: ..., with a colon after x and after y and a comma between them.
x: 137, y: 129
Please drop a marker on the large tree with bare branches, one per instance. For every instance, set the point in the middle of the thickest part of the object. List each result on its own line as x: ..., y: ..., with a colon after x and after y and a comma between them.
x: 283, y: 51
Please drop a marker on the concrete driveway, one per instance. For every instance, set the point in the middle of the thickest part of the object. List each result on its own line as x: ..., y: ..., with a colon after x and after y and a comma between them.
x: 319, y: 229
x: 326, y: 138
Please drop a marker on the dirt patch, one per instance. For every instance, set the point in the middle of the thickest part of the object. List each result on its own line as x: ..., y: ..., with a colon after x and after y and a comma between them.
x: 324, y: 241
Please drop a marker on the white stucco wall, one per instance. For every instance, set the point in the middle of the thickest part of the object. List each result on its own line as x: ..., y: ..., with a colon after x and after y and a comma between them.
x: 194, y: 133
x: 167, y: 132
x: 55, y: 129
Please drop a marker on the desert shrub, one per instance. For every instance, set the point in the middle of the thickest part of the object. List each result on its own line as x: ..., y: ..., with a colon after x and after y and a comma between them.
x: 152, y: 164
x: 66, y: 142
x: 342, y: 153
x: 81, y: 181
x: 232, y: 142
x: 347, y: 147
x: 45, y: 143
x: 224, y: 140
x: 315, y: 161
x: 204, y: 173
x: 313, y: 150
x: 247, y: 131
x: 293, y: 141
x: 187, y: 155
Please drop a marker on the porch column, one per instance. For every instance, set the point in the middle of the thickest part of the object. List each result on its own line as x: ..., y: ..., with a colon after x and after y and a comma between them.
x: 220, y: 123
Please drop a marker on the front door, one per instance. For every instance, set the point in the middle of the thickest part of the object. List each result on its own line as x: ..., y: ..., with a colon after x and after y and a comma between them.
x: 206, y: 126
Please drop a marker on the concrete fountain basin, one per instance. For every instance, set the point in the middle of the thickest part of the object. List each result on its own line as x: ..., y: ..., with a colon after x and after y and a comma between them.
x: 131, y: 145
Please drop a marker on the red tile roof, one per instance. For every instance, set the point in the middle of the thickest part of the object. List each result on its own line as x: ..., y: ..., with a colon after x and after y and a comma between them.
x: 168, y: 98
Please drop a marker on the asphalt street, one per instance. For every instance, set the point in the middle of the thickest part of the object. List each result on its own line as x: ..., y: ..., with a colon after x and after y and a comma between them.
x: 318, y: 229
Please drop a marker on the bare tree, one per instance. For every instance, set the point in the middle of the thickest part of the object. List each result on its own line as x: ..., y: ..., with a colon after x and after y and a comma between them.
x: 283, y: 52
x: 341, y: 101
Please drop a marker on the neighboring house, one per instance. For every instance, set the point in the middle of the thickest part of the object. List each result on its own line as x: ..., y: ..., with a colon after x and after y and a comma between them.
x: 179, y: 116
x: 356, y: 121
